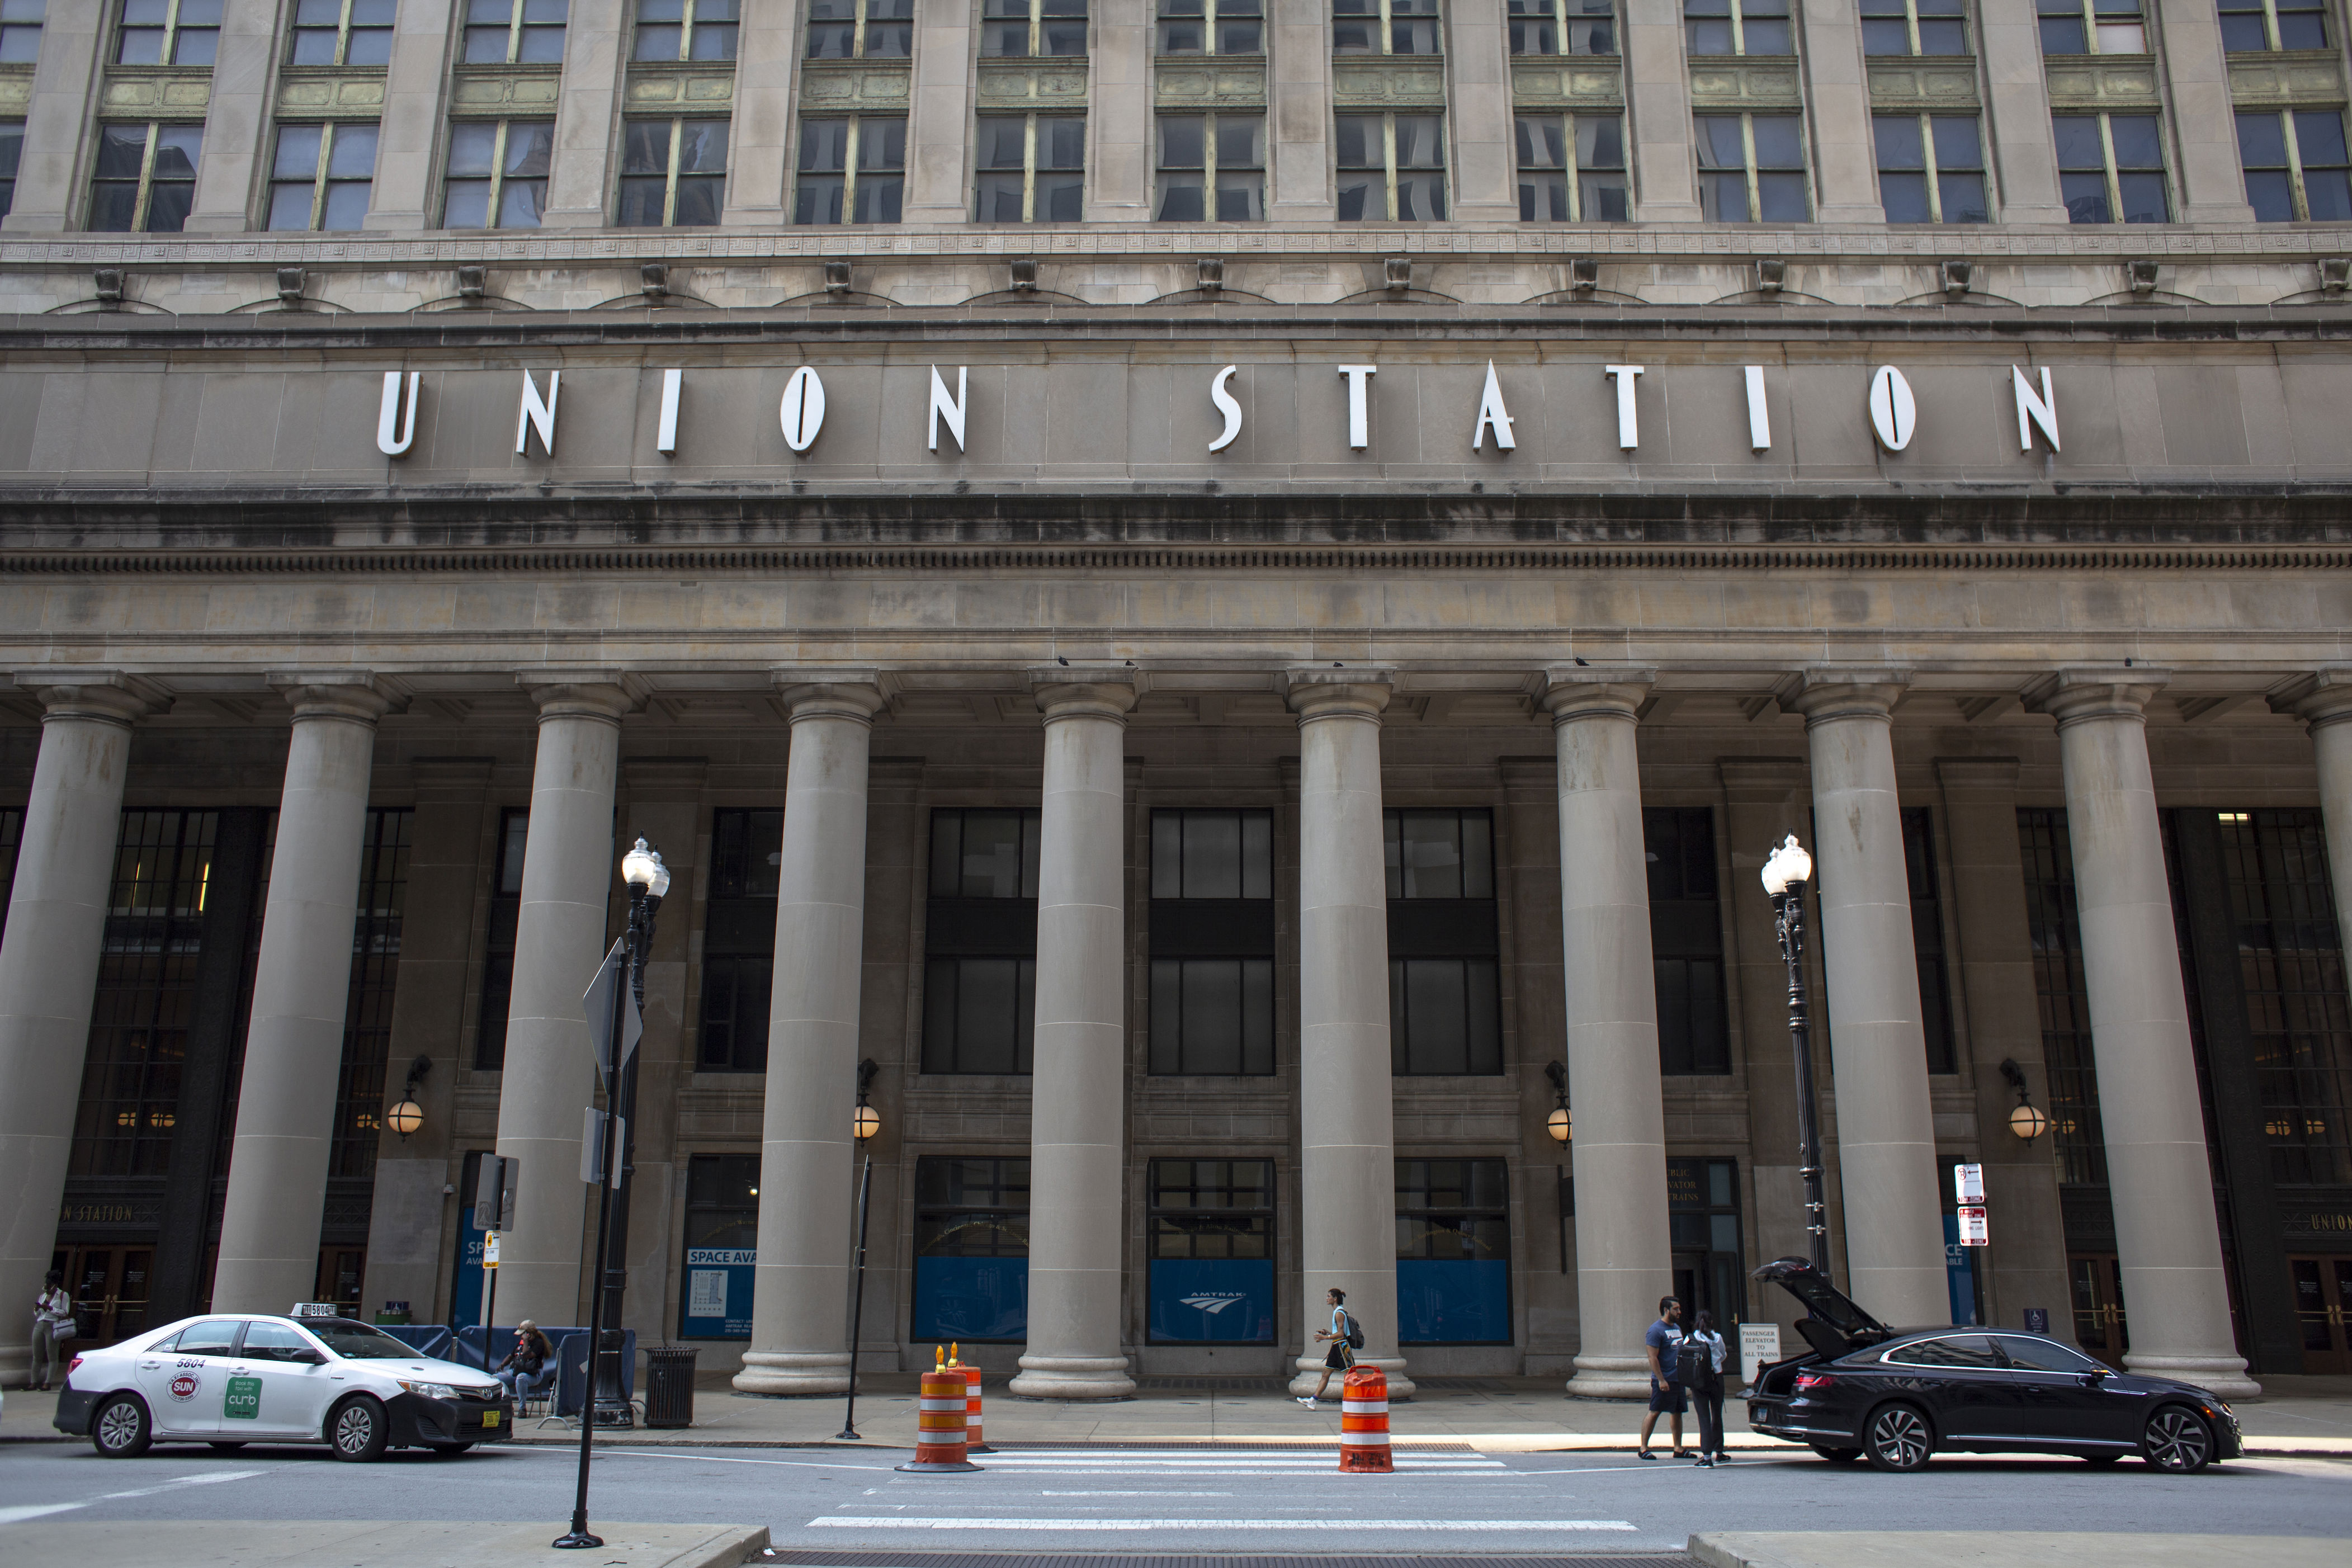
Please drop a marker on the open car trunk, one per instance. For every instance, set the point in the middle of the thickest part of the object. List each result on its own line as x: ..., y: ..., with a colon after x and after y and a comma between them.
x: 1833, y: 1324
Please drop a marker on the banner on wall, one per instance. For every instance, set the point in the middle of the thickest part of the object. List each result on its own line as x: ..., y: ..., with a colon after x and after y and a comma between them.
x: 717, y: 1301
x: 972, y: 1299
x: 466, y: 1299
x: 1451, y: 1302
x: 1213, y: 1300
x: 1959, y: 1272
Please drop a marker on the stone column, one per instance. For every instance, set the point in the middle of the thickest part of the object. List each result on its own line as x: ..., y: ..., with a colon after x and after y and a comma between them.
x: 800, y: 1305
x: 408, y: 138
x: 2017, y: 132
x: 1478, y: 91
x: 2212, y: 182
x: 1658, y: 117
x: 2162, y: 1182
x: 1298, y: 116
x: 1837, y: 100
x: 569, y: 875
x: 1078, y: 1122
x: 237, y: 119
x: 1993, y: 970
x: 2324, y: 706
x: 1886, y: 1128
x: 939, y: 120
x: 50, y: 191
x: 1118, y: 113
x: 1624, y: 1259
x: 1346, y: 1139
x: 49, y: 965
x: 587, y: 128
x: 302, y: 981
x: 760, y: 131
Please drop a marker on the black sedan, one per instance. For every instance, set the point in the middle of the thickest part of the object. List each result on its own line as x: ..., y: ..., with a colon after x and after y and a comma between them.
x: 1895, y: 1397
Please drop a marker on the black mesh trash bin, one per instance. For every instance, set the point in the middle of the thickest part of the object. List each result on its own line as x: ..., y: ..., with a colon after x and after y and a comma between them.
x: 669, y: 1385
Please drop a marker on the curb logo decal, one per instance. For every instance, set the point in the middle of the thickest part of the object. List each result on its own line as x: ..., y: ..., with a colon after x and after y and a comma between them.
x: 243, y: 1401
x: 184, y: 1387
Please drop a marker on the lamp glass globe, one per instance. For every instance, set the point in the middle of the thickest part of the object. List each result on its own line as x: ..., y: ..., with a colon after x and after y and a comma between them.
x: 2027, y: 1123
x: 1560, y: 1125
x: 405, y: 1117
x: 642, y: 868
x: 868, y: 1121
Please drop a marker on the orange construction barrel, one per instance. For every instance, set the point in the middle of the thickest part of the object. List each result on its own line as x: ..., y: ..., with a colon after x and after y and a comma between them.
x: 939, y: 1422
x: 973, y: 1442
x: 1364, y: 1422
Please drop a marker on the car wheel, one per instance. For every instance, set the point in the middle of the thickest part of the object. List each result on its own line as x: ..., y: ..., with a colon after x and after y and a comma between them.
x: 356, y: 1429
x: 1837, y: 1456
x: 2177, y: 1440
x: 1899, y: 1439
x: 228, y: 1447
x: 119, y: 1429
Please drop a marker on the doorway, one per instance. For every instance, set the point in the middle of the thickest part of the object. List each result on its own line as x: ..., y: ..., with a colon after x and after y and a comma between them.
x: 2322, y: 1310
x: 110, y: 1286
x: 2100, y: 1326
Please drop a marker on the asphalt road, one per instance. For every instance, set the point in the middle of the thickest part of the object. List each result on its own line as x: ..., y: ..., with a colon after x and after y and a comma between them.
x: 1177, y: 1500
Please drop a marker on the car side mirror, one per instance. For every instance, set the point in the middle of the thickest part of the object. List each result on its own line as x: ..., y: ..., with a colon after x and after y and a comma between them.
x: 310, y: 1357
x: 2092, y: 1379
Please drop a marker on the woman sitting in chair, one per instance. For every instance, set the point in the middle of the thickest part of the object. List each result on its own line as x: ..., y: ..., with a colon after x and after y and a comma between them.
x: 531, y: 1365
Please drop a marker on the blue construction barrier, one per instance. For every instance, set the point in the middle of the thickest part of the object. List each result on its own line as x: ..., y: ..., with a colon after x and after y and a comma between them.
x: 571, y: 1354
x: 484, y: 1348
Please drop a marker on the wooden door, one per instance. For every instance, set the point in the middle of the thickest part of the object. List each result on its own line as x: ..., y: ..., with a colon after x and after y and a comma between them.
x: 2323, y: 1310
x: 110, y: 1286
x: 2100, y: 1326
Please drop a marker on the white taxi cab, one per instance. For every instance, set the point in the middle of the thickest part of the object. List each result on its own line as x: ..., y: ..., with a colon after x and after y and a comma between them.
x: 230, y: 1379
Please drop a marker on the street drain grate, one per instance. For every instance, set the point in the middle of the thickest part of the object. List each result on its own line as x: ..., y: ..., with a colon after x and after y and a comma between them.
x: 795, y: 1558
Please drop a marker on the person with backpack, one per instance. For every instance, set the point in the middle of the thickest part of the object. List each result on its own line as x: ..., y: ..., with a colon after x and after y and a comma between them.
x: 1698, y: 1367
x: 1346, y: 1337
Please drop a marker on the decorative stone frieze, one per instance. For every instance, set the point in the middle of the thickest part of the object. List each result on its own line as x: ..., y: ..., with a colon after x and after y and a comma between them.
x: 519, y: 88
x: 680, y: 87
x: 1033, y: 84
x: 2305, y: 77
x: 846, y: 86
x: 16, y: 90
x: 1208, y: 84
x: 155, y: 89
x: 1738, y: 84
x: 314, y: 92
x: 1571, y: 83
x: 1419, y: 83
x: 1923, y: 84
x: 2125, y: 82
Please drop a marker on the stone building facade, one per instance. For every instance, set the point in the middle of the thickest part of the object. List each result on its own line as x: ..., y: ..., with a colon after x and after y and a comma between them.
x: 1240, y: 631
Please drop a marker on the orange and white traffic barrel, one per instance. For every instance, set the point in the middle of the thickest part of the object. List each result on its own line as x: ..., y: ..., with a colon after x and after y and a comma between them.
x: 973, y: 1442
x: 939, y: 1422
x: 1364, y: 1422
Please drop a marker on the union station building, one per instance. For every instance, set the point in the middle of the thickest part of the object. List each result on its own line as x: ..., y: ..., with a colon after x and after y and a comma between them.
x: 1215, y: 607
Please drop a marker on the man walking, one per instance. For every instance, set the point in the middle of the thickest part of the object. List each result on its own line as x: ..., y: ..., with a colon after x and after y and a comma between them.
x: 1665, y: 1394
x: 1344, y: 1337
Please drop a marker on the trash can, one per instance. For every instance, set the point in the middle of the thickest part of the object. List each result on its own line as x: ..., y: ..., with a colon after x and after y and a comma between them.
x: 669, y: 1385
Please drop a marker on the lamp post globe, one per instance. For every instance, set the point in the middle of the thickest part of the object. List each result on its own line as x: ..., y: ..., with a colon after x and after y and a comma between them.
x: 2027, y: 1123
x: 1788, y: 865
x: 866, y: 1124
x: 642, y: 868
x: 1560, y: 1124
x: 405, y: 1117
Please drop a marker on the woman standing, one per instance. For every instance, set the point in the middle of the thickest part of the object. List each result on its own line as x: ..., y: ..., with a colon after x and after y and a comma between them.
x: 53, y: 1319
x: 1701, y: 1364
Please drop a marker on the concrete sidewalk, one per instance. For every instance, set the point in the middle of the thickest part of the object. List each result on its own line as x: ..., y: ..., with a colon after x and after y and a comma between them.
x: 2038, y: 1549
x: 376, y: 1543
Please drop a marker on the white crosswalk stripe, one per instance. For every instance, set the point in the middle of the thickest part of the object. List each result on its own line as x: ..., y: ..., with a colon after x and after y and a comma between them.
x: 1451, y: 1526
x: 1241, y: 1462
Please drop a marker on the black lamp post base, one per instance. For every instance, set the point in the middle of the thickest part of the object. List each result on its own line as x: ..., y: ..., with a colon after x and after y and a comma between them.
x: 848, y: 1435
x: 575, y: 1540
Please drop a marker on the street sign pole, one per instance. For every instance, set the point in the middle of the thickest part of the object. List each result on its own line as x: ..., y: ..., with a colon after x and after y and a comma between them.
x: 578, y: 1537
x: 848, y: 1433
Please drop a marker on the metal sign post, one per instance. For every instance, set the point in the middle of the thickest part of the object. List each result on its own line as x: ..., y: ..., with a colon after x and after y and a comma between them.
x: 604, y: 1027
x: 848, y: 1433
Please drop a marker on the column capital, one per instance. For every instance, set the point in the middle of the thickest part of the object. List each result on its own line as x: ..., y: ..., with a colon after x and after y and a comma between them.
x: 354, y: 695
x: 1573, y: 691
x: 818, y: 691
x: 1085, y: 690
x: 1339, y: 692
x: 2320, y: 699
x: 1983, y: 780
x: 580, y: 693
x: 1823, y: 696
x: 2071, y: 696
x: 106, y: 695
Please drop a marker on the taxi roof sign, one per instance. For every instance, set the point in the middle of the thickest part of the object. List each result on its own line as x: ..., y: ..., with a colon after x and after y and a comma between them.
x: 314, y: 1310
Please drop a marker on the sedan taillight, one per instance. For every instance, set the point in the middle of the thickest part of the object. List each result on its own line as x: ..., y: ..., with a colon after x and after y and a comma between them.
x: 72, y: 1366
x: 1807, y: 1381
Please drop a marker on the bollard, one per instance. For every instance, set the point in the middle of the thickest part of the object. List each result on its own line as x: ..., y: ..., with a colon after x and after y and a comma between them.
x: 1364, y: 1423
x: 939, y: 1423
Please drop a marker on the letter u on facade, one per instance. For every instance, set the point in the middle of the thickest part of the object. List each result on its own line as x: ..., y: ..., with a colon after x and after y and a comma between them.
x: 388, y: 418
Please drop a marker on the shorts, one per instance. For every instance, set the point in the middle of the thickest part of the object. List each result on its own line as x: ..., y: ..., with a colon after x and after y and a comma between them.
x: 1339, y: 1358
x: 1665, y: 1398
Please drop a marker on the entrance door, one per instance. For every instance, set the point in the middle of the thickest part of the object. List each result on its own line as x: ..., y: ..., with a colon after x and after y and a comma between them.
x: 2323, y: 1308
x: 110, y: 1286
x: 2100, y: 1326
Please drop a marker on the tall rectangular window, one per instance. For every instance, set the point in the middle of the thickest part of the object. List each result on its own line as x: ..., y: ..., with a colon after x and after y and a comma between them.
x: 1212, y: 26
x: 738, y: 940
x: 2297, y: 167
x: 861, y: 30
x: 1914, y: 27
x: 686, y: 29
x: 722, y: 1241
x: 1752, y: 168
x: 1033, y: 168
x: 367, y: 1009
x: 980, y: 969
x: 2055, y: 929
x: 1927, y: 938
x: 499, y: 953
x: 144, y: 180
x: 1737, y: 27
x: 1686, y: 940
x: 341, y: 32
x: 1931, y: 168
x: 852, y: 169
x: 1385, y: 27
x: 1563, y: 26
x: 1212, y: 166
x: 498, y: 173
x: 321, y: 176
x: 168, y: 33
x: 12, y: 153
x: 672, y: 173
x: 1392, y: 168
x: 1211, y: 1252
x: 1572, y: 169
x: 515, y: 32
x: 20, y: 31
x: 972, y: 1249
x: 1020, y: 29
x: 2252, y: 25
x: 1445, y: 992
x: 1454, y: 1252
x: 1212, y: 942
x: 1702, y: 1221
x: 2111, y: 168
x: 2093, y: 28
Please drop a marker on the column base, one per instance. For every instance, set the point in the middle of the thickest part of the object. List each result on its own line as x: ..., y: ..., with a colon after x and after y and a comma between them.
x: 2222, y: 1374
x: 1310, y: 1373
x: 1610, y: 1377
x: 1072, y: 1377
x: 793, y: 1371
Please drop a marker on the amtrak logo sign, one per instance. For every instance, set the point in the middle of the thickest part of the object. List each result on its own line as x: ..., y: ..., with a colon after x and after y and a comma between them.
x: 1214, y: 1304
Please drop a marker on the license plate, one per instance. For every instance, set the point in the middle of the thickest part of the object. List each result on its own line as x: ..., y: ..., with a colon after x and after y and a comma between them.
x: 489, y: 1418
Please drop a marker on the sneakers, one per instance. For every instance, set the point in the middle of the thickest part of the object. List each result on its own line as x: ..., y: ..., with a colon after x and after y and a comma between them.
x: 1704, y: 1463
x: 1307, y: 1400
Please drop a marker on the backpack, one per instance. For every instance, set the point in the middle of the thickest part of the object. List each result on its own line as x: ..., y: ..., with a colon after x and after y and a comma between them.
x: 1694, y: 1365
x: 1355, y: 1330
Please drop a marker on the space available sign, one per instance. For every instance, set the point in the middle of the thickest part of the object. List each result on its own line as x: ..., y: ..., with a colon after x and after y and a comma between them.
x: 1891, y: 406
x: 718, y: 1282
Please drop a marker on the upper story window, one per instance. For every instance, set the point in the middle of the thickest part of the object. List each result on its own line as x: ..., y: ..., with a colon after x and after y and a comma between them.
x: 686, y: 29
x: 1213, y: 942
x: 343, y: 32
x: 1563, y: 26
x: 1572, y: 169
x: 321, y: 176
x: 498, y: 173
x: 861, y: 30
x: 1212, y: 166
x: 1686, y: 957
x: 1738, y: 27
x: 499, y: 950
x: 1392, y: 168
x: 1019, y: 29
x: 1032, y: 168
x: 168, y: 33
x: 12, y: 153
x: 979, y: 941
x: 1751, y: 168
x: 1212, y: 26
x: 1914, y: 27
x: 20, y: 31
x: 145, y: 178
x: 852, y: 169
x: 2111, y: 167
x: 2093, y: 28
x: 738, y: 940
x: 1930, y: 170
x: 515, y: 32
x: 1445, y: 1013
x: 672, y: 173
x: 2252, y: 25
x: 2296, y: 165
x: 1384, y: 27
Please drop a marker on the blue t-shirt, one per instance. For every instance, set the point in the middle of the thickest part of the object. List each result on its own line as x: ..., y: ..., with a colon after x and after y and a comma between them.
x: 1662, y: 1339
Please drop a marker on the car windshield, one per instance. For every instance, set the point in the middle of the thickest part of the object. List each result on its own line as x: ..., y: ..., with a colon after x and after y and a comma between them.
x: 357, y: 1342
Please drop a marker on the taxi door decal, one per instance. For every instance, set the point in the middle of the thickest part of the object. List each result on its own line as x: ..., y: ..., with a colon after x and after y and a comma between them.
x: 243, y: 1400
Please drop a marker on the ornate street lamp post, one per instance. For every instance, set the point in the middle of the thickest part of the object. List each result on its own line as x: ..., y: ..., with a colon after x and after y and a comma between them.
x: 864, y: 1123
x: 1786, y: 872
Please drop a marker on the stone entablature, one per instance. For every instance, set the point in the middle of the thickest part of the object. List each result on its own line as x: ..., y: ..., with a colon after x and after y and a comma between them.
x: 1924, y: 83
x: 2302, y: 79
